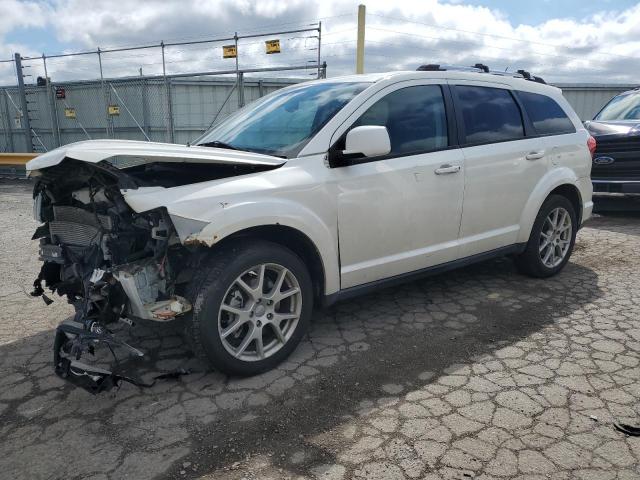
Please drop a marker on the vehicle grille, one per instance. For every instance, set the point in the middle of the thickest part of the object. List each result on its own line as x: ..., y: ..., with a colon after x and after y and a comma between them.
x: 626, y: 144
x: 626, y: 154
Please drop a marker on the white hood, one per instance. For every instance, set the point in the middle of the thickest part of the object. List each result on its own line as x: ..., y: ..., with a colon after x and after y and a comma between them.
x: 94, y: 151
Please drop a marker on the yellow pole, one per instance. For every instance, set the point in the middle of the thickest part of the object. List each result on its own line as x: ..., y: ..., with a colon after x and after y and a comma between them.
x: 360, y: 46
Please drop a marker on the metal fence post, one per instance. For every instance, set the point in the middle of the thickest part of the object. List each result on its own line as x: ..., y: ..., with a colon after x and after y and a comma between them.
x: 104, y: 93
x: 26, y: 125
x: 145, y: 107
x: 238, y: 74
x: 7, y: 114
x: 172, y: 127
x: 240, y: 89
x: 319, y: 43
x: 56, y: 117
x: 167, y: 88
x: 50, y: 95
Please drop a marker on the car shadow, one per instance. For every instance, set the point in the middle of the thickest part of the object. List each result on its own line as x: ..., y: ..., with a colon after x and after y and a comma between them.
x: 392, y: 336
x: 627, y: 223
x: 404, y: 357
x: 624, y: 205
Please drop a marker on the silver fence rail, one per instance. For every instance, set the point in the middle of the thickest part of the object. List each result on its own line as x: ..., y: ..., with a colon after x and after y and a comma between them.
x: 40, y: 115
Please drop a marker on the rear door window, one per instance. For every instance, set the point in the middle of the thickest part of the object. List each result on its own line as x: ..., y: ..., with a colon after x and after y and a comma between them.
x: 489, y: 114
x: 547, y: 116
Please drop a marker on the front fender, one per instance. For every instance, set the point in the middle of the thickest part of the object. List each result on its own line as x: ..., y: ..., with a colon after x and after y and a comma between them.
x: 293, y: 196
x: 235, y: 217
x: 552, y: 180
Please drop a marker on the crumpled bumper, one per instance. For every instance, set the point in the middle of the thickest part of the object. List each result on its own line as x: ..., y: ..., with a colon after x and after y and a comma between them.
x: 72, y: 341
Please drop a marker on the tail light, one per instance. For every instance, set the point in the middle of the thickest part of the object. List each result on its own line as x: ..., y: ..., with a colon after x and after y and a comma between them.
x: 591, y: 145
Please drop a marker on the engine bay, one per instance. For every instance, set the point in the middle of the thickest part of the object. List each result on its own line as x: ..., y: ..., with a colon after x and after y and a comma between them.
x: 111, y: 263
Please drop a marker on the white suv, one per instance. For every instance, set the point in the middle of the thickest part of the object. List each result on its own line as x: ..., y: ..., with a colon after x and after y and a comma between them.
x: 313, y: 194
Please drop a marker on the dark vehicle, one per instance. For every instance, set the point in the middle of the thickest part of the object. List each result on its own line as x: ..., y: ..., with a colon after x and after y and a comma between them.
x: 616, y: 162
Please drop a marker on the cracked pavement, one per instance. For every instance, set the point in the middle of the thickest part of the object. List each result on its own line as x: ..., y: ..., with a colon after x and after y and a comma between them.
x: 479, y: 373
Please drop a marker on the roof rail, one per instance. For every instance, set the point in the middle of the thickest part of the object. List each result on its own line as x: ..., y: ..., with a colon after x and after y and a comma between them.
x: 480, y: 68
x: 431, y: 67
x: 533, y: 78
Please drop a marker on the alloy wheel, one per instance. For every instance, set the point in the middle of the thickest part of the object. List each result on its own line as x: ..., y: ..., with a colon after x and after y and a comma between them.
x: 259, y: 312
x: 555, y: 237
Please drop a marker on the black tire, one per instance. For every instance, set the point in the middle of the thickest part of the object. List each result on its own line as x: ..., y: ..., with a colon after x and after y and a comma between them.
x: 530, y: 262
x: 212, y: 283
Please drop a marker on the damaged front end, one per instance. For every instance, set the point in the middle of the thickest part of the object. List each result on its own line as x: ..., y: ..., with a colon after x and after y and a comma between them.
x: 109, y: 245
x: 111, y: 263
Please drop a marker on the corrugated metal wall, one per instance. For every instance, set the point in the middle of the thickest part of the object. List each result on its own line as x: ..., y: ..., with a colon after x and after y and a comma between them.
x: 195, y: 103
x: 588, y: 98
x: 143, y: 107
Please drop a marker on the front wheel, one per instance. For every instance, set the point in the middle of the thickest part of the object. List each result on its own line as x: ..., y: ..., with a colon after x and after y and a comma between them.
x: 252, y: 307
x: 552, y: 239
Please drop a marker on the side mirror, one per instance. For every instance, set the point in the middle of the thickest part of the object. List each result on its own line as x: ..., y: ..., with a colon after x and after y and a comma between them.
x: 368, y: 140
x: 365, y: 141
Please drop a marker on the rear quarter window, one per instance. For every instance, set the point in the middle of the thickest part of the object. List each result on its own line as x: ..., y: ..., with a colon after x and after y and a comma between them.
x: 547, y: 117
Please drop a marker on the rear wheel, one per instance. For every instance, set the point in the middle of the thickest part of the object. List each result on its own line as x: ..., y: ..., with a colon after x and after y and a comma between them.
x: 251, y: 308
x: 552, y: 238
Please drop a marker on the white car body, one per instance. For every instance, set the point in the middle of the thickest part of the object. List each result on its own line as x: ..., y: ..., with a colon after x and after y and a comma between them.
x: 376, y: 220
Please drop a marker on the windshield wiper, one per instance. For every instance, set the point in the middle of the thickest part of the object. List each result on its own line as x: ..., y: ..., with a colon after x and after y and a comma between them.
x: 218, y: 144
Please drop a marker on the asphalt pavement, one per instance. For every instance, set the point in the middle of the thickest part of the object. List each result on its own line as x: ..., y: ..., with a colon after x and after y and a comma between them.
x: 479, y: 373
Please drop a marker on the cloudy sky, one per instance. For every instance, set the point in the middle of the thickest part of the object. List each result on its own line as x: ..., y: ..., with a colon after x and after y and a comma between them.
x: 561, y: 40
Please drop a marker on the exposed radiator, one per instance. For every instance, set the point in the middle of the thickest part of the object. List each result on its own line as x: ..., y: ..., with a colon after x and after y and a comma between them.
x: 70, y: 233
x: 80, y: 215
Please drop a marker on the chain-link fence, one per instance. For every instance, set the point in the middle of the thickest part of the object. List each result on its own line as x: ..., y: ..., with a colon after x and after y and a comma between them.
x: 175, y: 107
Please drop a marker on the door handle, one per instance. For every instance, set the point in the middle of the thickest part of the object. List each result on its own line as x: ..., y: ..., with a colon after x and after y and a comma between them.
x: 447, y: 169
x: 535, y: 155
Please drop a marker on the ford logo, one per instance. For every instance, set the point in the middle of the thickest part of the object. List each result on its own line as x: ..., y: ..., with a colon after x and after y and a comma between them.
x: 603, y: 160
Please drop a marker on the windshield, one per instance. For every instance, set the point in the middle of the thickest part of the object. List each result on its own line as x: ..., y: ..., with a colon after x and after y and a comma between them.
x: 622, y: 107
x: 284, y: 121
